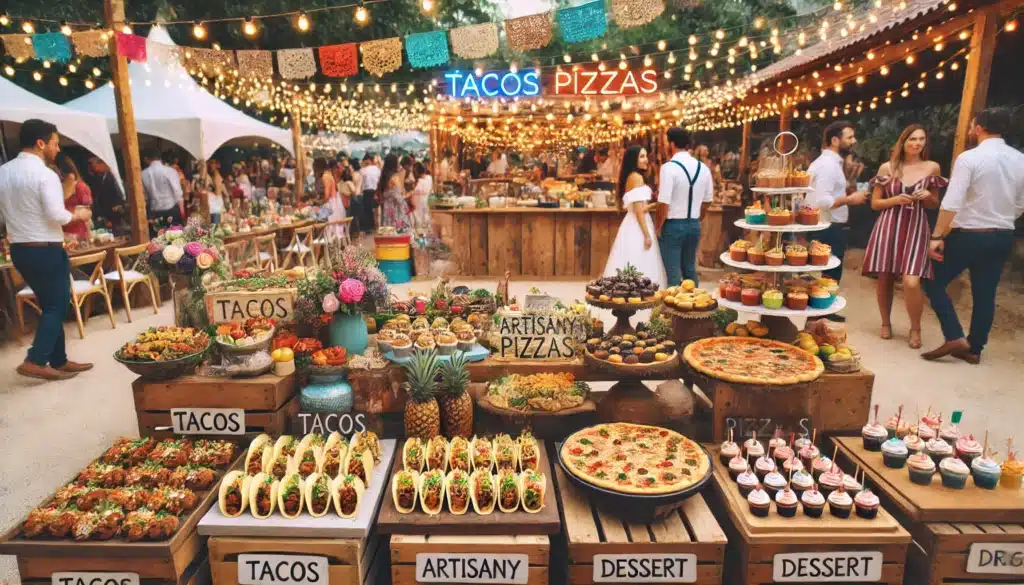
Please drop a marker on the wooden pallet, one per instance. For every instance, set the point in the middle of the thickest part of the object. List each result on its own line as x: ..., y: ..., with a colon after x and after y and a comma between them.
x: 404, y: 549
x: 592, y: 530
x: 270, y: 402
x: 941, y: 551
x: 755, y: 544
x: 197, y: 574
x: 350, y: 561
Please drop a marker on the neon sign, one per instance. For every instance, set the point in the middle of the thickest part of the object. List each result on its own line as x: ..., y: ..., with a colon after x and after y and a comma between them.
x: 493, y: 84
x: 610, y: 82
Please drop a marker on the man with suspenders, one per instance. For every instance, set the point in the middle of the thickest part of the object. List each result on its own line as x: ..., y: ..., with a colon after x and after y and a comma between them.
x: 685, y: 186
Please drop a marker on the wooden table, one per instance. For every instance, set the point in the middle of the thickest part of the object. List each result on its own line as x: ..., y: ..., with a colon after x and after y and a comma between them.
x: 104, y: 247
x: 539, y: 243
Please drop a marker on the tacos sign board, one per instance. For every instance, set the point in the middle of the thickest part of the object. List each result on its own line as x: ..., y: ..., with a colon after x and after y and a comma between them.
x: 77, y: 578
x: 540, y: 336
x: 236, y: 306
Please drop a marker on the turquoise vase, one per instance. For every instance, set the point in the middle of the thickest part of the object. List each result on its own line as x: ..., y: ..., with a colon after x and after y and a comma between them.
x: 349, y: 331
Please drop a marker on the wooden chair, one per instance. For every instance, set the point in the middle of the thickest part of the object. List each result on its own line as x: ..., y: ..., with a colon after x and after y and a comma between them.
x: 300, y: 250
x: 133, y: 256
x: 324, y: 235
x: 266, y: 252
x: 81, y: 290
x: 236, y: 254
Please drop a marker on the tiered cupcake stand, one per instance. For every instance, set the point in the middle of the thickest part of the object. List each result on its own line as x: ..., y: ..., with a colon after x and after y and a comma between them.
x: 779, y: 321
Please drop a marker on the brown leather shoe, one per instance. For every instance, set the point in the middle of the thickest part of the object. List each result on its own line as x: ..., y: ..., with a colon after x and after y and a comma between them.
x: 967, y: 356
x: 32, y: 370
x: 948, y: 348
x: 75, y: 367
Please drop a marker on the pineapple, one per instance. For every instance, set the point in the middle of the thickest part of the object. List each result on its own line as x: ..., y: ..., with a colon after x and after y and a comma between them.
x: 456, y: 403
x: 421, y: 412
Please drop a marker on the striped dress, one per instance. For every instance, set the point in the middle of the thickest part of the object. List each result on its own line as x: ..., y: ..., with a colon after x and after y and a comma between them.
x: 899, y: 240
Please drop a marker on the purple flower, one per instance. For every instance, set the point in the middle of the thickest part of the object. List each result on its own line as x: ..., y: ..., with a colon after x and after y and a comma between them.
x: 193, y: 249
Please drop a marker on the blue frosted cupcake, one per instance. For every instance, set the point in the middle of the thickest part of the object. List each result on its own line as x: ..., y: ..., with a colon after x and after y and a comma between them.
x: 921, y: 468
x: 895, y: 453
x: 986, y: 472
x: 954, y: 473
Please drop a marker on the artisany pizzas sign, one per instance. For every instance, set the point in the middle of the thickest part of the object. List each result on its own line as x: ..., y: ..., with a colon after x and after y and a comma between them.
x: 828, y: 567
x: 282, y: 570
x: 76, y: 578
x: 540, y: 336
x: 1004, y: 558
x: 472, y: 568
x: 231, y: 306
x: 645, y: 568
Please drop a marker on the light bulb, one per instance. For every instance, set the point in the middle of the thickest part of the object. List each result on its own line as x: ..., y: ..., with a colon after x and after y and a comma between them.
x: 361, y: 14
x: 910, y: 59
x: 28, y: 27
x: 427, y: 5
x: 302, y: 21
x: 37, y: 76
x: 9, y: 70
x: 623, y: 65
x: 65, y: 29
x: 566, y: 58
x: 89, y: 84
x: 96, y: 72
x: 5, y: 20
x: 647, y: 61
x: 594, y: 57
x: 662, y: 45
x: 249, y: 27
x: 1010, y: 26
x: 72, y: 68
x: 199, y: 31
x: 63, y: 81
x: 884, y: 70
x: 692, y: 40
x: 719, y: 34
x: 126, y: 29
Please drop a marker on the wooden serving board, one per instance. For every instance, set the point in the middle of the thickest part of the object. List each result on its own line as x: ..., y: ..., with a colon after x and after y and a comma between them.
x: 306, y: 526
x: 479, y: 393
x: 883, y: 528
x: 935, y: 502
x: 390, y: 521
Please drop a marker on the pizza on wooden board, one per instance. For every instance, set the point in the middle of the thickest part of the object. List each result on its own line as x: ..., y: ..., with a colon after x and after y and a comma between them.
x: 634, y: 459
x: 750, y: 360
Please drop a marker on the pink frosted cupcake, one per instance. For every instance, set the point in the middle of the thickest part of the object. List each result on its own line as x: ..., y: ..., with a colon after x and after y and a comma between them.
x: 967, y: 449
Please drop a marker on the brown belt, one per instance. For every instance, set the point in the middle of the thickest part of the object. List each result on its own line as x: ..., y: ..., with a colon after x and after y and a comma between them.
x: 38, y: 244
x: 982, y: 230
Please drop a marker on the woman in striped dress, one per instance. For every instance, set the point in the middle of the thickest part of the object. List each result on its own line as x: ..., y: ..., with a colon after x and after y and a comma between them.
x: 905, y: 186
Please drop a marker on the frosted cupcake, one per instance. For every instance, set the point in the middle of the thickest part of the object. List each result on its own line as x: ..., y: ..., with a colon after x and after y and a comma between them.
x: 1013, y: 470
x: 801, y: 482
x: 921, y: 468
x: 873, y: 435
x: 949, y: 434
x: 895, y: 453
x: 851, y: 485
x: 800, y: 443
x: 763, y: 466
x: 924, y: 431
x: 727, y: 451
x: 954, y: 473
x: 785, y: 503
x: 746, y: 482
x: 821, y: 465
x: 754, y: 449
x: 773, y: 482
x: 737, y: 465
x: 967, y: 449
x: 894, y: 430
x: 938, y: 450
x: 986, y: 472
x: 840, y: 503
x: 813, y: 502
x: 866, y: 504
x: 914, y: 443
x: 782, y: 454
x: 792, y: 465
x: 759, y: 503
x: 830, y: 481
x: 808, y: 454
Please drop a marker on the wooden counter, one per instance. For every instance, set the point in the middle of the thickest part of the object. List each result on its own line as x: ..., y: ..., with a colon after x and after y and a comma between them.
x: 539, y: 243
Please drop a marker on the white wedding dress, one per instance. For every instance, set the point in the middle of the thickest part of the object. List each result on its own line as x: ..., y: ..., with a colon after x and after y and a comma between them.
x: 629, y: 242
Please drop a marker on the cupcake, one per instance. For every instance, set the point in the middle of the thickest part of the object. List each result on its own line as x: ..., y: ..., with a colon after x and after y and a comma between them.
x: 782, y: 455
x: 1013, y: 470
x: 466, y: 338
x: 821, y: 465
x: 938, y: 450
x: 384, y: 339
x: 895, y: 453
x: 420, y: 324
x: 780, y: 216
x: 759, y: 503
x: 801, y: 482
x: 820, y: 300
x: 763, y: 466
x: 793, y: 464
x: 727, y: 451
x: 873, y: 435
x: 921, y: 468
x: 802, y: 442
x: 897, y: 427
x: 808, y: 454
x: 753, y: 449
x: 746, y: 482
x: 755, y: 215
x: 851, y: 485
x: 755, y: 254
x: 813, y: 502
x: 774, y: 257
x: 797, y: 301
x: 954, y: 473
x: 840, y: 503
x: 785, y: 503
x: 425, y: 341
x: 949, y: 434
x: 866, y: 504
x: 447, y: 342
x: 772, y: 299
x: 924, y: 431
x: 796, y: 255
x: 967, y: 449
x: 986, y: 472
x: 737, y: 465
x: 734, y: 292
x: 801, y: 179
x: 830, y: 481
x: 773, y: 483
x: 402, y: 345
x: 751, y: 297
x: 738, y: 250
x: 818, y: 254
x: 808, y: 216
x: 914, y: 444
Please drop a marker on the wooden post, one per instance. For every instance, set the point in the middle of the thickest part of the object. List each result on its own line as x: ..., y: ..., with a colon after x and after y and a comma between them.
x: 979, y: 69
x: 300, y: 155
x: 744, y: 151
x: 113, y: 11
x: 785, y: 118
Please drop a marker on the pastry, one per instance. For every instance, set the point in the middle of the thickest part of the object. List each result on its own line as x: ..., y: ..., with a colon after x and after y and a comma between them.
x: 1013, y: 470
x: 793, y: 464
x: 924, y: 431
x: 797, y: 301
x: 813, y: 502
x: 773, y: 483
x: 851, y: 485
x: 755, y: 254
x: 785, y: 503
x: 759, y: 503
x: 753, y: 449
x: 447, y: 342
x: 895, y: 453
x: 774, y: 257
x: 800, y: 179
x: 873, y: 435
x: 808, y: 216
x: 737, y: 465
x: 986, y: 472
x: 830, y: 481
x: 466, y: 339
x: 866, y: 504
x: 808, y: 454
x: 914, y: 443
x: 796, y: 255
x: 734, y: 292
x: 891, y: 424
x: 763, y: 466
x: 954, y: 473
x: 801, y: 482
x: 950, y: 434
x: 782, y: 455
x: 921, y: 468
x: 780, y: 216
x: 755, y: 214
x: 772, y: 299
x: 821, y: 465
x: 818, y: 253
x: 727, y: 451
x: 738, y: 250
x: 820, y: 300
x: 840, y: 503
x: 751, y: 297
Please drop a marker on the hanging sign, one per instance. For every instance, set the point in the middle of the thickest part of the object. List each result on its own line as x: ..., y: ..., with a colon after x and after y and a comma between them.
x: 543, y: 335
x: 591, y: 81
x: 466, y: 84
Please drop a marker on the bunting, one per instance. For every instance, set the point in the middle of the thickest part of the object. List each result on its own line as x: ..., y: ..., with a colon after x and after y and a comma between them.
x: 255, y: 64
x: 428, y: 49
x: 131, y: 47
x: 210, y: 61
x: 383, y: 56
x: 164, y: 54
x: 528, y: 33
x: 19, y: 47
x: 339, y: 60
x: 91, y: 43
x: 296, y: 63
x: 631, y: 13
x: 51, y: 47
x: 475, y: 41
x: 582, y: 23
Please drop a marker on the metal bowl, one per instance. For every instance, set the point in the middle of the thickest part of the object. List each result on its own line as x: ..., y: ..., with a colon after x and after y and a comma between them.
x: 164, y: 370
x: 247, y: 349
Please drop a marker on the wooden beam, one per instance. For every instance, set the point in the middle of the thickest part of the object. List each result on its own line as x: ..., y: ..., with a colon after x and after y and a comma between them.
x: 113, y: 11
x: 744, y: 151
x: 300, y: 155
x: 785, y: 118
x: 979, y: 70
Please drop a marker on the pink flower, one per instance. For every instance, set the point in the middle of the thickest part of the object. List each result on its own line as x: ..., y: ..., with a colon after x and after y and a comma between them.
x: 204, y: 260
x: 193, y: 248
x: 154, y: 248
x: 330, y: 303
x: 351, y: 291
x: 212, y: 251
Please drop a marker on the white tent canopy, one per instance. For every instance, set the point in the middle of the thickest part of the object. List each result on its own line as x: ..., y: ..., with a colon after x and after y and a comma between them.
x: 169, y: 104
x: 88, y: 130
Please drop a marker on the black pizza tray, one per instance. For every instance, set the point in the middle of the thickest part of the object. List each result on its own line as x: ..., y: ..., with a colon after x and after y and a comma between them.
x: 642, y: 509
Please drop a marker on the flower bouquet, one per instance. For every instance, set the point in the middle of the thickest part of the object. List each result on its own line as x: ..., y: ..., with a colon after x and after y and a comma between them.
x: 191, y: 257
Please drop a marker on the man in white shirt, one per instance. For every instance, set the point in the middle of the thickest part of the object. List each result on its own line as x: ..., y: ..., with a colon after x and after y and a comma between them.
x: 605, y: 167
x: 498, y: 166
x: 828, y: 191
x: 685, y: 187
x: 370, y: 172
x: 165, y: 201
x: 32, y: 207
x: 974, y: 232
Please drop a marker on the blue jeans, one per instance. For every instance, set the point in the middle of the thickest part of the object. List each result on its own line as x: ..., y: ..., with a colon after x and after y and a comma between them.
x: 983, y: 254
x: 214, y: 218
x: 679, y: 241
x: 46, y: 269
x: 835, y: 236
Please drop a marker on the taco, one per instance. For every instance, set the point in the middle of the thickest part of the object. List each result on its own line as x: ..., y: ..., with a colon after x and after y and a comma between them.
x: 508, y: 491
x: 366, y: 440
x: 437, y: 454
x: 457, y: 488
x: 287, y: 445
x: 404, y: 490
x: 263, y: 495
x: 412, y: 455
x: 432, y: 492
x: 280, y: 465
x: 318, y: 494
x: 358, y: 464
x: 290, y: 496
x: 505, y: 453
x: 458, y: 454
x: 334, y: 453
x: 258, y: 459
x: 306, y: 461
x: 532, y: 488
x: 348, y: 492
x: 482, y: 453
x: 482, y: 491
x: 233, y: 496
x: 529, y: 452
x: 314, y: 440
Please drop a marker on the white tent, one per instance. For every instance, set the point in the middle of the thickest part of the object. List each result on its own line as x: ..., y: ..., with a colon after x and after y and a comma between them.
x: 88, y: 130
x: 169, y: 104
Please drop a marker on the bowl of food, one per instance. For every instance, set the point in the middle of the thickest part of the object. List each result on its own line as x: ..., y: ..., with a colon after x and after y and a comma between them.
x: 250, y: 336
x: 163, y: 353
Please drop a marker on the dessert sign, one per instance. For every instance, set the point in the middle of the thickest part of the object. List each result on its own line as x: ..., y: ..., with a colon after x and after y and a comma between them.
x: 1004, y: 558
x: 541, y: 335
x: 76, y: 578
x: 645, y: 568
x: 827, y: 567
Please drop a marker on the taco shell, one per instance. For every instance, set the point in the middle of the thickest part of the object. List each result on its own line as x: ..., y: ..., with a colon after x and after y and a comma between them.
x: 310, y: 484
x: 367, y: 460
x: 264, y: 452
x: 452, y: 451
x: 309, y: 441
x: 423, y: 491
x: 283, y: 441
x: 282, y: 489
x: 254, y: 484
x: 433, y: 446
x: 472, y: 457
x: 410, y: 443
x: 372, y: 443
x: 522, y: 491
x: 227, y: 482
x: 336, y: 488
x: 415, y: 486
x: 502, y: 475
x: 524, y: 441
x: 450, y: 483
x: 334, y: 439
x: 473, y: 495
x: 257, y: 443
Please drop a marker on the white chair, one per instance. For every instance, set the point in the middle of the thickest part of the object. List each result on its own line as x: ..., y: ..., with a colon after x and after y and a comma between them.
x: 300, y: 249
x: 81, y: 290
x: 266, y: 252
x: 128, y: 279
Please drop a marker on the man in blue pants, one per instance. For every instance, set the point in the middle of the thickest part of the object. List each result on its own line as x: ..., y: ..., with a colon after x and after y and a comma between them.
x: 685, y: 187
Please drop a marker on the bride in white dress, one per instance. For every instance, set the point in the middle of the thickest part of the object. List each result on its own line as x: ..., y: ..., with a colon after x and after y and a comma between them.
x: 635, y: 243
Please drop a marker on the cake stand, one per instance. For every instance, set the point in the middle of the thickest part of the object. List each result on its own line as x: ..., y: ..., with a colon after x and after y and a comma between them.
x: 622, y: 313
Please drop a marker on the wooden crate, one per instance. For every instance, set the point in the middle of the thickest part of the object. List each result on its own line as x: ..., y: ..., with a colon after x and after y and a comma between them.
x: 754, y: 542
x: 197, y: 574
x: 350, y: 561
x: 592, y: 530
x: 404, y: 549
x: 945, y: 523
x: 270, y: 402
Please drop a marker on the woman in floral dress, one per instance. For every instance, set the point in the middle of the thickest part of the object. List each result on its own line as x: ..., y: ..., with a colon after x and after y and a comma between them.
x: 394, y: 210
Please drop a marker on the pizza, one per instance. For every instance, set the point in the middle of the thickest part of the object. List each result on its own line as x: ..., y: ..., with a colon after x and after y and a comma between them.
x: 634, y: 459
x: 750, y: 360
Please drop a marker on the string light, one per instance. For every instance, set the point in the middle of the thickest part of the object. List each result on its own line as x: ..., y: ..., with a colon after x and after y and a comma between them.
x: 199, y: 31
x: 250, y: 28
x: 9, y: 70
x: 362, y: 15
x: 302, y: 21
x: 65, y: 29
x: 5, y: 20
x: 28, y: 28
x: 89, y: 84
x: 567, y: 58
x: 96, y: 72
x: 1010, y: 26
x: 63, y: 81
x: 37, y: 76
x: 427, y: 5
x: 127, y: 29
x: 662, y: 45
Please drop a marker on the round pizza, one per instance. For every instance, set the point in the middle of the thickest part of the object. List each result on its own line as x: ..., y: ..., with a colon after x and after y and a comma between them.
x: 634, y: 459
x: 749, y: 360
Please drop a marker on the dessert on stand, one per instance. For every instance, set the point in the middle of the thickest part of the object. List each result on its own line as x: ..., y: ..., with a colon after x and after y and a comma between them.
x: 624, y: 294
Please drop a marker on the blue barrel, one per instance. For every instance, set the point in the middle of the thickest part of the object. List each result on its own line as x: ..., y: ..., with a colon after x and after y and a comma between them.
x: 397, y: 271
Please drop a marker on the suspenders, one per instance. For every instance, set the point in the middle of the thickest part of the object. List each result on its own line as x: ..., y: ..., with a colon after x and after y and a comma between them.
x: 692, y: 180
